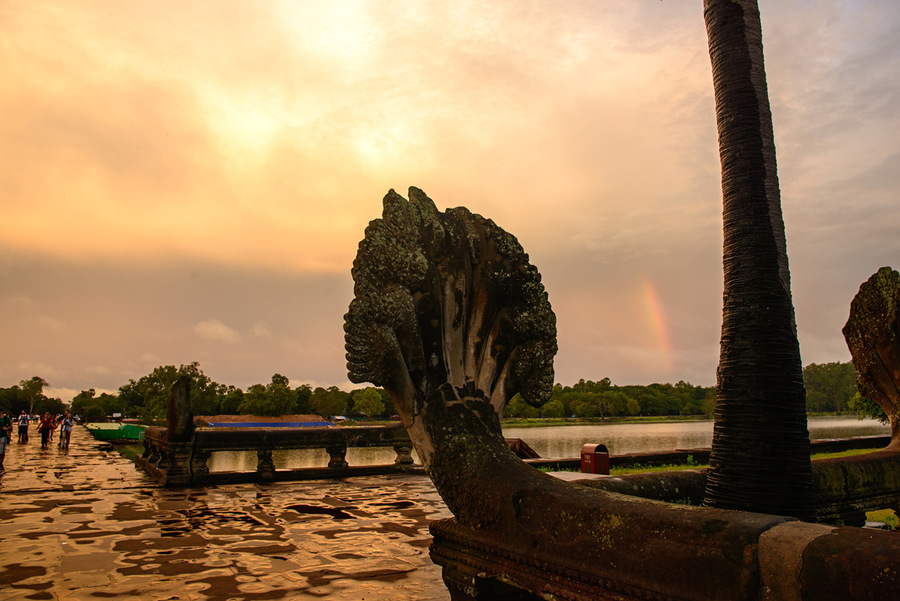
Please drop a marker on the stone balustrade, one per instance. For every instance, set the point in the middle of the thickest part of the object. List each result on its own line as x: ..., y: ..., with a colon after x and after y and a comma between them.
x: 185, y: 462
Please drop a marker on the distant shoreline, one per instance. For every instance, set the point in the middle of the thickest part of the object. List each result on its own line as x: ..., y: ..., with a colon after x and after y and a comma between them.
x: 528, y: 422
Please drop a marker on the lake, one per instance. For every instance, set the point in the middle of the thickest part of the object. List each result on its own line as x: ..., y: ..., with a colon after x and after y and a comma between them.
x: 563, y: 441
x: 636, y: 437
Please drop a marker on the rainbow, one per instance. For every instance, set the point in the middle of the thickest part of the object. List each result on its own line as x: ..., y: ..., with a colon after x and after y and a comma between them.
x: 657, y: 318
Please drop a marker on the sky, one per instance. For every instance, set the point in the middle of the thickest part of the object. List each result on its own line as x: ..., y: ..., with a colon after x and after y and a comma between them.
x: 189, y: 181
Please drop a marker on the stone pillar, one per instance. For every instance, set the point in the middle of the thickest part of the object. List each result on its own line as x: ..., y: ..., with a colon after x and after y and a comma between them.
x: 265, y: 467
x: 175, y: 461
x: 404, y: 454
x: 179, y: 415
x: 198, y: 463
x: 337, y: 455
x: 151, y: 451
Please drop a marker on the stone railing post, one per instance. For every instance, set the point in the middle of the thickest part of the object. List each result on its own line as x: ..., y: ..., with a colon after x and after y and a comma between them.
x: 404, y: 454
x: 199, y: 468
x: 151, y: 451
x: 176, y: 459
x: 337, y: 455
x: 265, y: 467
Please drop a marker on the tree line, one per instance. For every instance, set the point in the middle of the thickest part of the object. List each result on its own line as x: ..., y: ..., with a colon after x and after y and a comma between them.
x: 28, y: 396
x: 148, y: 397
x: 830, y: 388
x: 603, y: 399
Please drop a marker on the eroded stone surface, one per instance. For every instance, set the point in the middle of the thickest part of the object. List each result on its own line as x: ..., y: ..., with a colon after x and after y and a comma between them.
x: 88, y: 525
x: 873, y: 336
x: 447, y: 309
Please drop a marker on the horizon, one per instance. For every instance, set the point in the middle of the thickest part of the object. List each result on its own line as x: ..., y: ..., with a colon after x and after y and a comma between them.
x: 354, y: 387
x: 190, y: 183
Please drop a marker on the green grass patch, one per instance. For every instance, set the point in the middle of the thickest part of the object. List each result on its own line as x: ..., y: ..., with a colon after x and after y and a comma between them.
x: 528, y: 422
x: 643, y: 469
x: 691, y: 465
x: 130, y: 451
x: 842, y: 453
x: 885, y: 516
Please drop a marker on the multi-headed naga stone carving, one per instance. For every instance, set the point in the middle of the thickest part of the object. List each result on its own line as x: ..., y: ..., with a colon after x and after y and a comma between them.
x: 448, y: 310
x: 873, y: 336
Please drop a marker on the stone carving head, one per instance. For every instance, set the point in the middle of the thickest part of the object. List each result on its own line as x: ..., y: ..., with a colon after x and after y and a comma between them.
x: 873, y: 336
x: 447, y: 309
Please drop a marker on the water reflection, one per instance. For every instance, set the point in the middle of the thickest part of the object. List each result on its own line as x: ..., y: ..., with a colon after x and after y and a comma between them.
x: 558, y: 441
x: 566, y: 441
x: 245, y: 461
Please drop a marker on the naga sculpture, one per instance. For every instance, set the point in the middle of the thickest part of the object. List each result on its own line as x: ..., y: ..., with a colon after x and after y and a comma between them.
x: 873, y: 336
x: 451, y: 319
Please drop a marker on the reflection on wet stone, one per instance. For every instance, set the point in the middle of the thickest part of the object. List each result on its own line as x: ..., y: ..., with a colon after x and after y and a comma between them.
x: 116, y: 535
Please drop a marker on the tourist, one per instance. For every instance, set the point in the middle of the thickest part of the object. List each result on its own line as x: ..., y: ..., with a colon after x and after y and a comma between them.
x: 23, y: 427
x: 65, y: 430
x: 46, y: 428
x: 5, y: 435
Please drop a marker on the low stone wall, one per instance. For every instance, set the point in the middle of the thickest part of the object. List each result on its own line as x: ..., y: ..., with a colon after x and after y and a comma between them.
x: 845, y: 487
x: 701, y: 455
x: 184, y: 463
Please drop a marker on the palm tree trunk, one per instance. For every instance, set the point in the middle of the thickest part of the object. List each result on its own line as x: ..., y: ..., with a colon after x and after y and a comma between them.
x: 760, y: 455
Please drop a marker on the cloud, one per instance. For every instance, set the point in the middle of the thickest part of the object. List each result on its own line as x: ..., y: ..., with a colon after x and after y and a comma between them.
x: 19, y: 301
x: 260, y: 329
x: 215, y: 330
x: 160, y: 171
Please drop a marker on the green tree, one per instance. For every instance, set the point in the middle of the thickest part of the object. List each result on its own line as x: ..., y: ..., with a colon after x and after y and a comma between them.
x: 517, y: 407
x: 634, y: 408
x: 282, y: 398
x: 553, y: 409
x: 256, y: 401
x: 33, y: 392
x: 86, y: 405
x: 368, y: 402
x: 328, y: 402
x: 760, y: 449
x: 206, y: 395
x: 12, y: 400
x: 273, y: 399
x: 150, y: 395
x: 829, y: 386
x: 585, y: 408
x: 303, y: 393
x: 231, y: 401
x: 865, y: 407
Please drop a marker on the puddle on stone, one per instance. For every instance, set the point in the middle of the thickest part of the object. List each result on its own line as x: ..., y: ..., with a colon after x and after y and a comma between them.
x: 364, y: 537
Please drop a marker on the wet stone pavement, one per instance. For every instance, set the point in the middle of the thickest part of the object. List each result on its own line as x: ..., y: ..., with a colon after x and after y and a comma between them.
x: 86, y: 524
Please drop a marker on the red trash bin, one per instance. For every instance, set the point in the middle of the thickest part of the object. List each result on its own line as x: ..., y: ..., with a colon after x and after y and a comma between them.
x: 595, y: 459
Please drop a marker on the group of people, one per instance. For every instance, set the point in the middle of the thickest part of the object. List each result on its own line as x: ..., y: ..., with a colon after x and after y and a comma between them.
x: 46, y: 425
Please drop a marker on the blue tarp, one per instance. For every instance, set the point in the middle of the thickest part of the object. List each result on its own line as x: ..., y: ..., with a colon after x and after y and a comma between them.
x: 268, y: 424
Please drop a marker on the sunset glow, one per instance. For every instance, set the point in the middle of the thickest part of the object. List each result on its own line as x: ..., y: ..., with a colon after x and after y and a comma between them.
x: 189, y: 182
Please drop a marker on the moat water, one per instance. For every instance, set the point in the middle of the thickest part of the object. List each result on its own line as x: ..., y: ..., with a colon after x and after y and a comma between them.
x: 563, y: 441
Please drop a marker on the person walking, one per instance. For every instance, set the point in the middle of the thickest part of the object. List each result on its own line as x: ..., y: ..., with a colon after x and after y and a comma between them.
x: 45, y: 428
x: 5, y: 435
x: 23, y: 427
x: 65, y: 430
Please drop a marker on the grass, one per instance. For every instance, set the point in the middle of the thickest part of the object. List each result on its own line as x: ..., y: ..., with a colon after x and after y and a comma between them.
x: 130, y: 451
x: 528, y: 422
x: 691, y: 464
x: 842, y: 453
x: 885, y: 516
